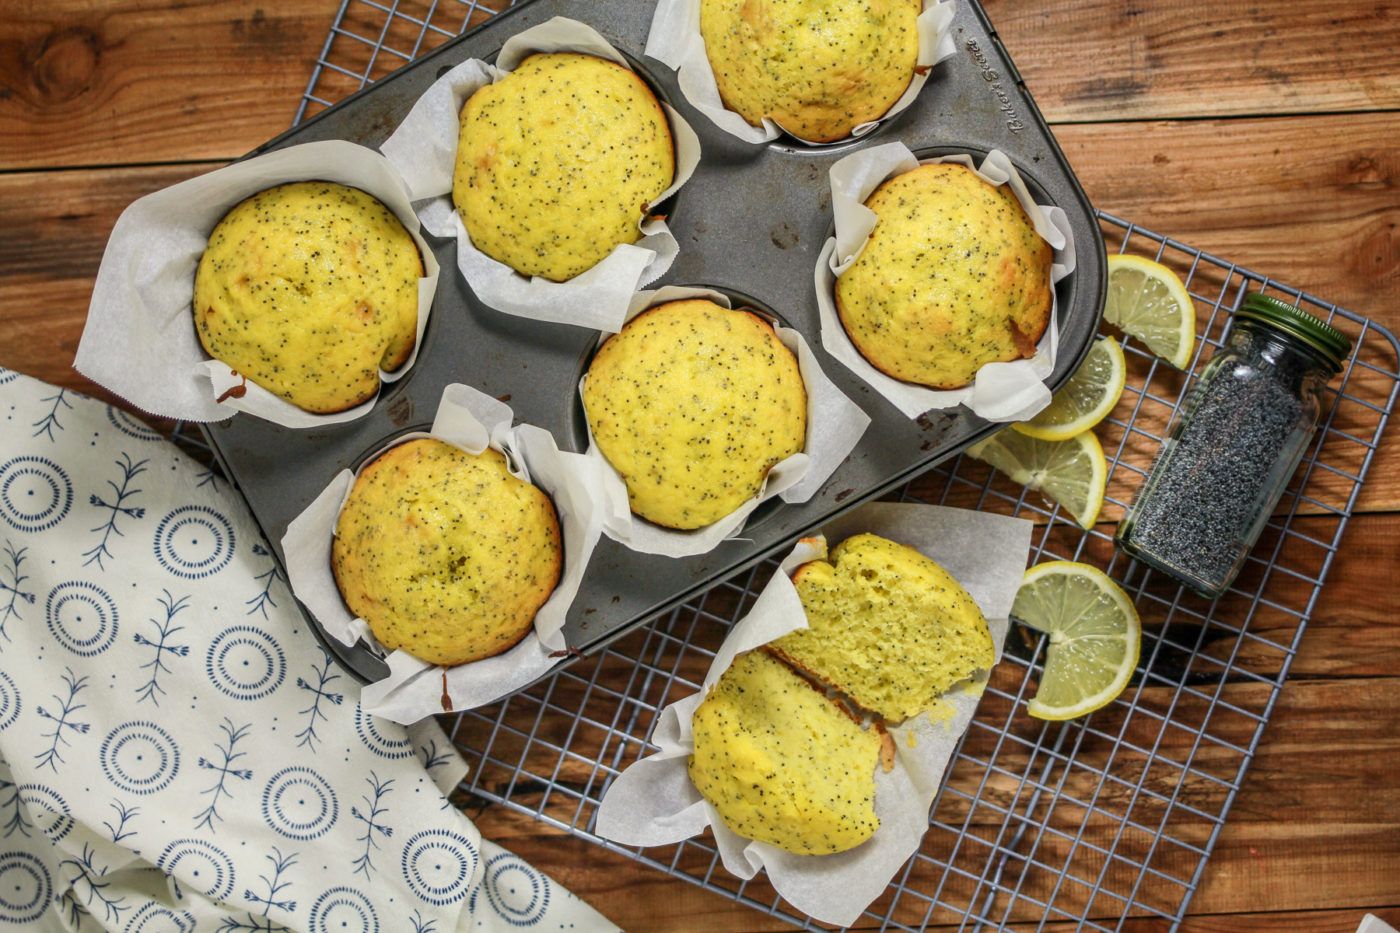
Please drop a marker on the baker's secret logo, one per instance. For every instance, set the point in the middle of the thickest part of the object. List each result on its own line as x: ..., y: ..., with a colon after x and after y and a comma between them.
x: 994, y: 82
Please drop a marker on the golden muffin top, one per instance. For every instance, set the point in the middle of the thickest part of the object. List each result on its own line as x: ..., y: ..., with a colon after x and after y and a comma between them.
x: 444, y: 553
x: 693, y: 404
x: 953, y: 277
x: 781, y: 763
x: 558, y: 163
x: 819, y: 68
x: 309, y: 289
x: 888, y: 627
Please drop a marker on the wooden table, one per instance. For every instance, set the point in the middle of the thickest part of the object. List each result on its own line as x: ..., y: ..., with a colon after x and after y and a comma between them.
x: 1264, y: 132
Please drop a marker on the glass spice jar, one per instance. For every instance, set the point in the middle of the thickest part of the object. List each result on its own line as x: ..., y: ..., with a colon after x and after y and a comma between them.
x: 1234, y: 446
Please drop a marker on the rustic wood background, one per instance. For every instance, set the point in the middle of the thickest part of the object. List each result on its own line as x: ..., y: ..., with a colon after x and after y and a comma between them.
x: 1261, y: 131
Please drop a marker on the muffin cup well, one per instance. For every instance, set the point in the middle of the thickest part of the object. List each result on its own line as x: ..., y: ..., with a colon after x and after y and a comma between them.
x: 655, y: 803
x: 834, y: 426
x: 413, y: 689
x: 424, y: 149
x: 140, y: 341
x: 675, y: 40
x: 1012, y: 391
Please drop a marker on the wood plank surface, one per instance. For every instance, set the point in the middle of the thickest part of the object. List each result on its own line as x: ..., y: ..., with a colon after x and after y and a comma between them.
x: 1091, y: 60
x: 88, y: 82
x: 77, y: 86
x: 1262, y: 132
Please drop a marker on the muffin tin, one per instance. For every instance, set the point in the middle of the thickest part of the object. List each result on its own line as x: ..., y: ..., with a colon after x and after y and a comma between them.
x: 751, y: 223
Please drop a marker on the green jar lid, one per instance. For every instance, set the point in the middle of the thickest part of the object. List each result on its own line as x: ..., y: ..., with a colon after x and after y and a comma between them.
x: 1334, y: 345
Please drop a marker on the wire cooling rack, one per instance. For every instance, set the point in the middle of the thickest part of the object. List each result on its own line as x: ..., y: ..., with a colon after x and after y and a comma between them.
x: 1093, y: 821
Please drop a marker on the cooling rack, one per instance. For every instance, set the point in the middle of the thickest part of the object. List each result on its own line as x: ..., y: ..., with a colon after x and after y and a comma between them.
x: 1091, y: 822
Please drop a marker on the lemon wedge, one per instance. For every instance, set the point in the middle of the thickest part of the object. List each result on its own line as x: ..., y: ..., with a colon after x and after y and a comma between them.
x: 1072, y: 472
x: 1146, y: 300
x: 1094, y: 632
x: 1086, y: 398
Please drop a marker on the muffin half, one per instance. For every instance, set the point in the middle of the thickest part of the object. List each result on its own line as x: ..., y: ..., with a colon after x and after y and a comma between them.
x: 781, y: 763
x: 886, y: 626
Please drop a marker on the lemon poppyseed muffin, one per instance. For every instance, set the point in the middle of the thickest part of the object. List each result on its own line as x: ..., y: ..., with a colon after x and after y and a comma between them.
x: 781, y: 763
x: 953, y: 277
x: 888, y: 627
x: 309, y: 289
x: 558, y: 162
x: 444, y: 553
x: 693, y: 404
x: 819, y: 68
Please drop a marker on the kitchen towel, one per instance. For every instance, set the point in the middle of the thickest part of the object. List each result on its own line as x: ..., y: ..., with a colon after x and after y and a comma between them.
x: 179, y: 752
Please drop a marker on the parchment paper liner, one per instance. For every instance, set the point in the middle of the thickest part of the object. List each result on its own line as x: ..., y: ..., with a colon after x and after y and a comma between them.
x: 675, y: 40
x: 834, y: 426
x: 424, y: 150
x: 1011, y: 391
x: 140, y: 341
x: 654, y: 803
x: 413, y: 689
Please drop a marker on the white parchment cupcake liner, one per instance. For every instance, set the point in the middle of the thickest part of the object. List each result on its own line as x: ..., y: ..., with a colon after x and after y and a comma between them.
x: 424, y: 149
x: 675, y: 40
x: 834, y: 427
x: 655, y: 803
x: 1011, y: 391
x: 472, y: 421
x: 140, y: 341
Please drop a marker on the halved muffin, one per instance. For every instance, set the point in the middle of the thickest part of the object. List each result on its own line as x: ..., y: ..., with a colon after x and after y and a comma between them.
x: 887, y: 626
x: 781, y: 763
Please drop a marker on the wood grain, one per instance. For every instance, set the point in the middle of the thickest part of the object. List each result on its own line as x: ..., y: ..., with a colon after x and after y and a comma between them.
x: 1260, y: 132
x: 77, y: 86
x: 1314, y: 201
x: 98, y: 83
x: 1109, y: 59
x: 50, y: 248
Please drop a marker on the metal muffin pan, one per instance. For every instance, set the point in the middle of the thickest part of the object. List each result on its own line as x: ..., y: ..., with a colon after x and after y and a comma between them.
x: 751, y: 221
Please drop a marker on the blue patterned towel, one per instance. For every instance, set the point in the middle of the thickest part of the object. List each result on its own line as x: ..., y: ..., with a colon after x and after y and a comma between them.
x: 179, y: 753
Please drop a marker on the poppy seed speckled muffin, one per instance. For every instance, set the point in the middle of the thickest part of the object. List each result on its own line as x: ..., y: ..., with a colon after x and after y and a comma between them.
x: 887, y: 626
x: 781, y: 763
x: 309, y: 289
x: 693, y: 404
x: 559, y: 161
x: 818, y: 68
x: 444, y: 553
x: 953, y: 277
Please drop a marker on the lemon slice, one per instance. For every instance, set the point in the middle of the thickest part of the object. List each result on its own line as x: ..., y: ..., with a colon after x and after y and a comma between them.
x: 1085, y: 399
x: 1072, y: 472
x: 1147, y: 301
x: 1094, y: 634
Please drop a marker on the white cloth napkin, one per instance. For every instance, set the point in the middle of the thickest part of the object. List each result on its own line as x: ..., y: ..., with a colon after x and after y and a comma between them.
x: 179, y: 753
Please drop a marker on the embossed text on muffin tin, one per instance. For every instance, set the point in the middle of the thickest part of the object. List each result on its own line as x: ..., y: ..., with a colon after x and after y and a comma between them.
x: 994, y: 82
